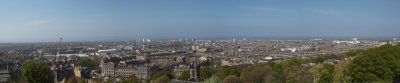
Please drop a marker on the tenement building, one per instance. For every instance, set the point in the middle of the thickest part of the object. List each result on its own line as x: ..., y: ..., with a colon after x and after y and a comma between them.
x: 122, y: 69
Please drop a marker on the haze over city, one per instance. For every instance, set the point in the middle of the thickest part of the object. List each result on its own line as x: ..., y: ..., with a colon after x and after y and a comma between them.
x: 107, y: 20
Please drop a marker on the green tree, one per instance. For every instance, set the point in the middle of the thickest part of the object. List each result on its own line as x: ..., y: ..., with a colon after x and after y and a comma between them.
x: 294, y: 62
x: 341, y: 73
x: 370, y: 67
x: 230, y: 71
x: 213, y: 80
x: 298, y: 74
x: 316, y: 72
x: 321, y: 59
x: 391, y: 54
x: 351, y: 53
x: 91, y: 64
x: 273, y: 77
x: 322, y: 73
x: 205, y: 73
x: 255, y: 73
x: 327, y: 74
x: 163, y: 79
x: 232, y: 79
x: 226, y: 71
x: 291, y: 78
x: 37, y: 72
x: 162, y: 73
x: 277, y: 68
x: 184, y: 76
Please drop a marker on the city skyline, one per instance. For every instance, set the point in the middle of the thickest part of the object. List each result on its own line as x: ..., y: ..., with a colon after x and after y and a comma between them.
x: 46, y: 20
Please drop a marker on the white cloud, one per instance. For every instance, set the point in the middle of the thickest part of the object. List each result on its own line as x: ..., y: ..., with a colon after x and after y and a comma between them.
x: 321, y: 11
x: 37, y: 22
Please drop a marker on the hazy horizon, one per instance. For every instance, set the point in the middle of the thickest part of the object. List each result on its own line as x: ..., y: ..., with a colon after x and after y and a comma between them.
x: 116, y: 39
x: 76, y: 20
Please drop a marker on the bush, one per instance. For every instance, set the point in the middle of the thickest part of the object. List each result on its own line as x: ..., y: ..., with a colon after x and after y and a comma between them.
x: 37, y: 72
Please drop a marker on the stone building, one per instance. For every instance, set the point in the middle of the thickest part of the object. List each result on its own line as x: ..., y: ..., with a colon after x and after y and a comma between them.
x: 164, y: 60
x: 195, y: 63
x: 108, y: 69
x: 122, y: 69
x: 145, y: 71
x: 178, y: 70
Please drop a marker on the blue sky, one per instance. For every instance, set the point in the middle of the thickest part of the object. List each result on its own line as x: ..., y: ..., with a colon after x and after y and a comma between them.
x: 93, y: 20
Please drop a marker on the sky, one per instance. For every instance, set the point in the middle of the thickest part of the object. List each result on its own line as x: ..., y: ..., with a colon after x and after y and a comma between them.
x: 98, y: 20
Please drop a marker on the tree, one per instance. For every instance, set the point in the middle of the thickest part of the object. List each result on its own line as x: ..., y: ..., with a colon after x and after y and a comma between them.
x: 91, y: 64
x: 341, y: 73
x: 255, y: 73
x: 277, y: 68
x: 327, y: 74
x: 205, y: 73
x: 162, y: 73
x: 351, y: 53
x: 273, y: 77
x: 297, y: 74
x: 37, y: 72
x: 294, y: 62
x: 226, y: 71
x: 163, y: 79
x: 213, y: 80
x: 232, y: 79
x: 184, y: 76
x: 391, y: 54
x: 316, y: 72
x: 322, y: 73
x: 321, y: 59
x: 230, y: 71
x: 291, y: 78
x: 370, y: 67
